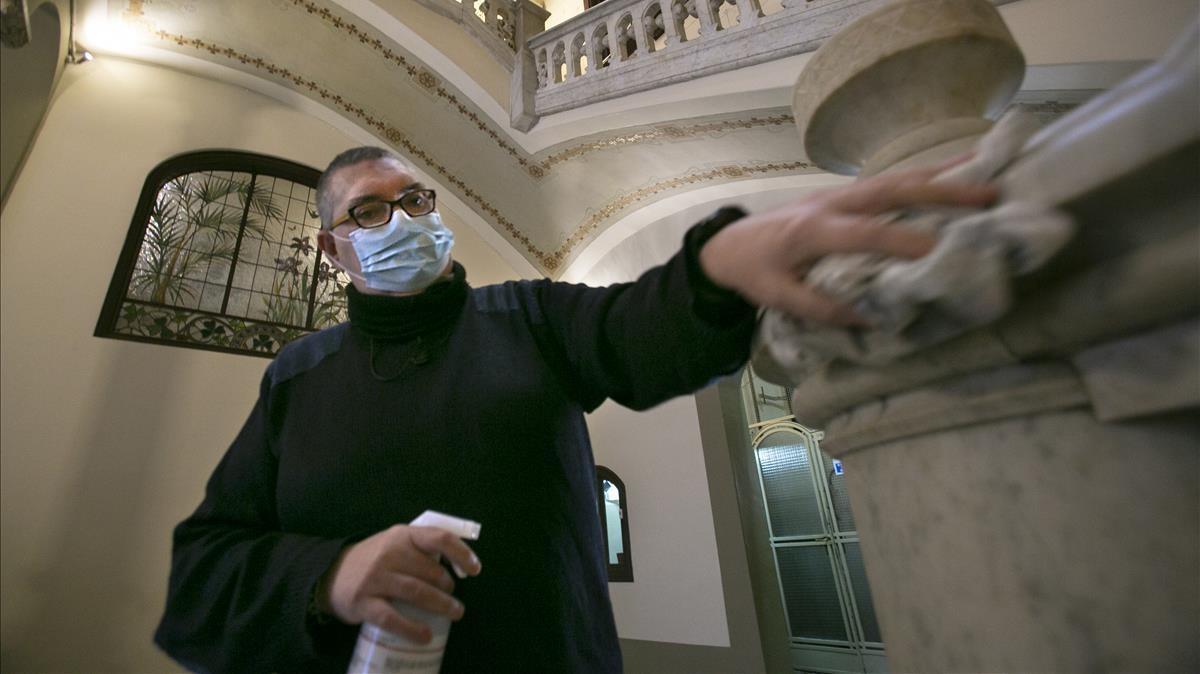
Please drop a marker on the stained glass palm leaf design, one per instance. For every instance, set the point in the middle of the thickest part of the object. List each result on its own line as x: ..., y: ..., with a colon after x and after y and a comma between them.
x: 228, y: 260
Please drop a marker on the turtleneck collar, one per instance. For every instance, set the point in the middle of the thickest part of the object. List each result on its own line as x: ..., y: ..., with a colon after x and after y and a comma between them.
x: 404, y: 318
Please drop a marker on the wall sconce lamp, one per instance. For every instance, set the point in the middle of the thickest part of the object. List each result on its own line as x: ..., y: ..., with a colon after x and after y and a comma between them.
x: 76, y: 54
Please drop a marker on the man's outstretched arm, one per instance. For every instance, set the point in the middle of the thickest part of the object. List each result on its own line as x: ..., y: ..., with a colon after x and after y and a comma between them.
x: 685, y: 322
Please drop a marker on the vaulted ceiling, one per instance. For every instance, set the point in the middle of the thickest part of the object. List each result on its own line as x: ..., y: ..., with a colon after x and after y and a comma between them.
x: 550, y: 200
x: 546, y: 200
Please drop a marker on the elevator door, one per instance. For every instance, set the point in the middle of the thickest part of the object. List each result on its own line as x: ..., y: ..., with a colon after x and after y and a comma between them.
x: 814, y: 543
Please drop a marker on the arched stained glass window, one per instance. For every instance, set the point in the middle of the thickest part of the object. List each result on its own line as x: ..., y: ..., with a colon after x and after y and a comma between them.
x: 222, y: 255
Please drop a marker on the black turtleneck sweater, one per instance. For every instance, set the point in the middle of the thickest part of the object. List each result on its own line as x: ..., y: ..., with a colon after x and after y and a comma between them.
x: 469, y: 401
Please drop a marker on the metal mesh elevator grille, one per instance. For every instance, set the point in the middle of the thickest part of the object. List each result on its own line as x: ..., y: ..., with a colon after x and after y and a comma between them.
x: 810, y: 592
x: 787, y: 481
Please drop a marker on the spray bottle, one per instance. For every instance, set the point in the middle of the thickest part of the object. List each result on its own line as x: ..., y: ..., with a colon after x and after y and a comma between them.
x: 381, y: 652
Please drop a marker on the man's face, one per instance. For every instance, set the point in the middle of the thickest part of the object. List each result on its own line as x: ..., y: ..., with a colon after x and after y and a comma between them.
x: 374, y: 180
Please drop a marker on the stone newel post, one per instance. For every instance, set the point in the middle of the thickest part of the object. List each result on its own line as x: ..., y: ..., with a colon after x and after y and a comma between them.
x: 530, y: 20
x: 1028, y: 493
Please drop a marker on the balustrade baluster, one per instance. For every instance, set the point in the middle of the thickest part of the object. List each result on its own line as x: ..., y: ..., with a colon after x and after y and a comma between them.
x: 601, y: 29
x: 579, y: 48
x: 749, y: 12
x: 558, y: 57
x: 595, y: 48
x: 614, y: 46
x: 566, y: 60
x: 668, y: 18
x: 639, y: 31
x: 708, y: 20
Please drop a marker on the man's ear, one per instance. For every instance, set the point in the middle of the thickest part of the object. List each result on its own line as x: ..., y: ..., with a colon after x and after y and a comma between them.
x: 328, y: 246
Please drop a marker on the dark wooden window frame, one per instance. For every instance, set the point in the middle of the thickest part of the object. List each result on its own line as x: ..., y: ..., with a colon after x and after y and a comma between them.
x: 622, y: 571
x: 190, y: 162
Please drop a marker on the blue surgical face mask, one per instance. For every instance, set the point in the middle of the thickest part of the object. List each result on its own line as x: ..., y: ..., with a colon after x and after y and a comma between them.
x: 406, y: 255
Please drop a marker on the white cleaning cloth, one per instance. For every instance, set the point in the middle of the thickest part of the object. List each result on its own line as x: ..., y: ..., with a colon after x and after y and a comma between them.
x: 912, y: 304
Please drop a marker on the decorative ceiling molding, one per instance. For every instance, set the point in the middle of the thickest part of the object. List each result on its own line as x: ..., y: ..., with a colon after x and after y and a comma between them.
x: 421, y: 76
x: 693, y: 177
x: 561, y: 203
x: 431, y: 82
x: 393, y: 135
x: 550, y: 260
x: 1048, y: 110
x: 663, y: 132
x: 538, y: 169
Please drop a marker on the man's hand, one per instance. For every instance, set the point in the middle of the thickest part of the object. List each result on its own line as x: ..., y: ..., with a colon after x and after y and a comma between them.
x: 399, y: 563
x: 764, y: 257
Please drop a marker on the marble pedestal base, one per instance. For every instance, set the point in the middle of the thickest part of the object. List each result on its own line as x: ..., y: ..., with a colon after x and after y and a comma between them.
x: 1045, y: 542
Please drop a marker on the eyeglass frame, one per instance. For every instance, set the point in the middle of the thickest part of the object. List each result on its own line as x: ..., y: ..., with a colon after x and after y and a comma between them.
x: 392, y: 204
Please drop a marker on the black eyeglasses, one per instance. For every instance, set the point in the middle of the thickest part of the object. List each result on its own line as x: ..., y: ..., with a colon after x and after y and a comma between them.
x: 376, y: 213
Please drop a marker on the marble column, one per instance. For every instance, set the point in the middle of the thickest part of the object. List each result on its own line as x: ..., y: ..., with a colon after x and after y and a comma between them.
x: 1027, y: 493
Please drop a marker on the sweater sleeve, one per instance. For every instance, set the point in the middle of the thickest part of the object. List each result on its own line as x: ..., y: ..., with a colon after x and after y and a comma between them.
x: 669, y: 333
x: 239, y: 594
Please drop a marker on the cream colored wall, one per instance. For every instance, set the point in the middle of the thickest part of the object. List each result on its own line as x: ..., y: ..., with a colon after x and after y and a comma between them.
x: 456, y: 44
x: 677, y: 594
x: 484, y: 265
x: 107, y: 444
x: 561, y: 10
x: 1081, y: 31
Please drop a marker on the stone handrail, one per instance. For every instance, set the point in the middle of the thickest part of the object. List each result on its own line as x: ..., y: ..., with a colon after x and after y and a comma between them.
x: 622, y: 47
x: 499, y: 25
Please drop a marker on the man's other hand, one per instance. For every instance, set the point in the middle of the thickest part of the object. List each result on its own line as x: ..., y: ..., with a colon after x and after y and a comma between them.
x: 400, y: 563
x: 764, y: 257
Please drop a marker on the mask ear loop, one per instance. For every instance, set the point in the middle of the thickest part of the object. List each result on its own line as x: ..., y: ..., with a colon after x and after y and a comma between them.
x: 338, y: 263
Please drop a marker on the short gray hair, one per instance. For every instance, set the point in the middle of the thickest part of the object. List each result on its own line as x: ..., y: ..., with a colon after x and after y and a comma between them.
x: 354, y: 155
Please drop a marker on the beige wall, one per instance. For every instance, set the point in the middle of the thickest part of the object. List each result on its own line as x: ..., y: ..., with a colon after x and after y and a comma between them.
x: 677, y: 594
x: 1081, y: 31
x: 106, y: 444
x: 561, y: 10
x: 454, y: 43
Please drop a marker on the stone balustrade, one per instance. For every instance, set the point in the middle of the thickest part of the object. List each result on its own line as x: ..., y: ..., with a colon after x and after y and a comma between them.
x: 626, y: 46
x: 623, y: 47
x: 497, y: 24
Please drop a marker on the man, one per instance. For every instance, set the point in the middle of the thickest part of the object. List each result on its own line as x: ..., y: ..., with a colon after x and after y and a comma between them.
x: 435, y: 393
